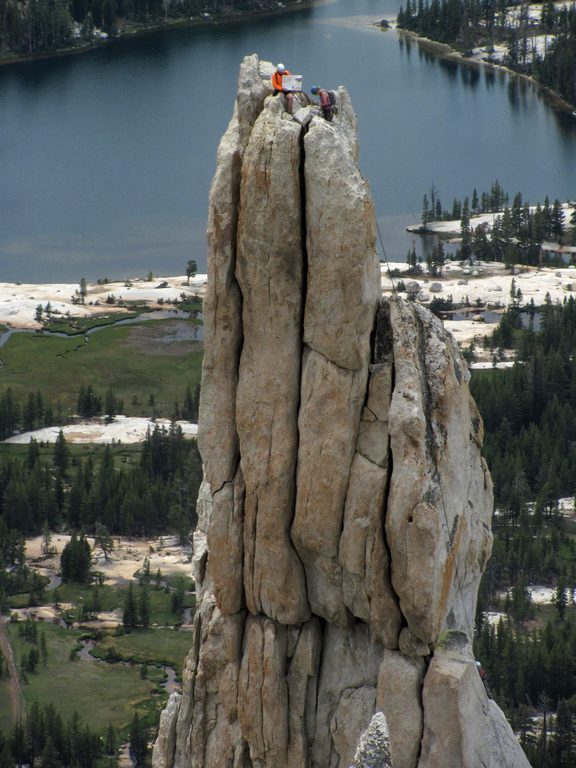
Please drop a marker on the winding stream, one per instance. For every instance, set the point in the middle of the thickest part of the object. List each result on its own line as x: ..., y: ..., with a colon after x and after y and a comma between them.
x: 195, y: 332
x: 170, y: 684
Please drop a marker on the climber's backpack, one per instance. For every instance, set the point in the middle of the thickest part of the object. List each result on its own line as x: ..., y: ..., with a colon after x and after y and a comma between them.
x: 332, y: 95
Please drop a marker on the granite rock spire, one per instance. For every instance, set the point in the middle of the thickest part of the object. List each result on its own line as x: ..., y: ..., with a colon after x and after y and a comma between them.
x: 344, y: 518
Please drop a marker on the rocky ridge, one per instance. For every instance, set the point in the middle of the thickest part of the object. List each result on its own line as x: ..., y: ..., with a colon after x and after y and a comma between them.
x: 344, y: 519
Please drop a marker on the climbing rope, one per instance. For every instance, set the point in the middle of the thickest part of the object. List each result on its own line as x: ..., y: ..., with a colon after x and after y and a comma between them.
x: 385, y: 257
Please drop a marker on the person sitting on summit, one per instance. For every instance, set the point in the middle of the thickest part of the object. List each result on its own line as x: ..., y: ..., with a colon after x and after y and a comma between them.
x: 278, y: 86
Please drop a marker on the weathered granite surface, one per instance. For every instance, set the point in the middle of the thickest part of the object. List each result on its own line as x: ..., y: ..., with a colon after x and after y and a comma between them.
x: 344, y: 521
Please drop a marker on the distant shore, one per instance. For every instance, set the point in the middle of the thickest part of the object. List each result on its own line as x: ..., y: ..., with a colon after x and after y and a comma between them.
x: 444, y: 51
x: 489, y: 285
x: 20, y: 301
x: 133, y: 30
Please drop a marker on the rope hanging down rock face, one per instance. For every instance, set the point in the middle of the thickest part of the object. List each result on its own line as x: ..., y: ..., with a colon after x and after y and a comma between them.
x: 385, y: 256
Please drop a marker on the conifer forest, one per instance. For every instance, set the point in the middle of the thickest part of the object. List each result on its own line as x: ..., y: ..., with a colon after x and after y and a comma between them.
x: 540, y: 39
x: 40, y: 26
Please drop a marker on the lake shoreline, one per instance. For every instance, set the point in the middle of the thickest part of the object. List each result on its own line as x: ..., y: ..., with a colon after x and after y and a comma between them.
x: 445, y: 51
x: 490, y: 286
x: 237, y: 17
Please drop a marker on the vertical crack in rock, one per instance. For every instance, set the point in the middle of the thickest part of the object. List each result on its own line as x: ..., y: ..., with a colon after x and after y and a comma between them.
x: 225, y: 536
x: 304, y: 250
x: 364, y: 552
x: 344, y: 517
x: 269, y: 269
x: 341, y: 300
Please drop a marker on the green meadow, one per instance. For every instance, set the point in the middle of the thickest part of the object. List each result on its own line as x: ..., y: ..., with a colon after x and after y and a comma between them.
x: 148, y: 365
x: 156, y: 646
x: 99, y: 692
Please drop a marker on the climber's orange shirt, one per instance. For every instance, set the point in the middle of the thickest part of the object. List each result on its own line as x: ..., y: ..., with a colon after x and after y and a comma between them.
x: 277, y: 80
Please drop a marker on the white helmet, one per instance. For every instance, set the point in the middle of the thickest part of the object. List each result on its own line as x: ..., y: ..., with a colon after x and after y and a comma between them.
x: 281, y: 68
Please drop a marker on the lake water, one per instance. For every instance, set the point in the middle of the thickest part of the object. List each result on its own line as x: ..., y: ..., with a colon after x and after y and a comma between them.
x: 107, y: 157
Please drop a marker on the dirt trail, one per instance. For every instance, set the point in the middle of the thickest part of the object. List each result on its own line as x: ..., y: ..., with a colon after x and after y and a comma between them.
x: 16, y: 697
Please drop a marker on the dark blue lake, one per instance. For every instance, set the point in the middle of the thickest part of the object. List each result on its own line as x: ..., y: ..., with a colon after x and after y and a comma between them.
x: 107, y: 157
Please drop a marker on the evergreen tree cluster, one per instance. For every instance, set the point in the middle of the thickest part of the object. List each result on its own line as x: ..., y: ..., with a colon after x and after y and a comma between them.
x: 466, y: 24
x: 557, y: 69
x: 35, y: 412
x: 32, y: 26
x: 534, y: 673
x: 136, y: 611
x: 517, y: 233
x: 37, y: 651
x: 76, y: 559
x: 528, y: 410
x: 529, y: 666
x: 15, y: 415
x: 46, y: 739
x: 95, y: 497
x: 15, y: 576
x: 487, y: 202
x: 530, y: 442
x: 138, y: 740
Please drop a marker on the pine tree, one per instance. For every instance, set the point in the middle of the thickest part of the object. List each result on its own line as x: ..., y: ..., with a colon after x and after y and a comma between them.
x: 50, y: 757
x: 35, y: 731
x: 560, y: 598
x: 557, y: 223
x: 474, y: 201
x: 110, y: 741
x: 104, y: 540
x: 61, y: 454
x: 144, y: 607
x: 43, y: 649
x: 18, y: 746
x: 6, y: 759
x: 465, y: 250
x: 76, y: 559
x: 177, y: 601
x: 191, y: 270
x: 138, y: 740
x: 130, y: 614
x: 426, y: 211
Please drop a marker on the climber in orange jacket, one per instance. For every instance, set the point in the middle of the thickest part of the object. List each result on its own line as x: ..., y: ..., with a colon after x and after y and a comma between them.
x: 277, y: 85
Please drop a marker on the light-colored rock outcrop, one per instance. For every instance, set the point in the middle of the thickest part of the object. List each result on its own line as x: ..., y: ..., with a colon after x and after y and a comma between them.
x: 165, y: 745
x: 373, y: 749
x: 437, y: 517
x: 344, y: 521
x: 399, y: 697
x: 270, y: 273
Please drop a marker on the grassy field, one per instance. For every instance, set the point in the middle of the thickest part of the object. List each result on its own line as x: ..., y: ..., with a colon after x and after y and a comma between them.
x: 148, y: 366
x: 80, y: 325
x: 110, y: 598
x: 162, y: 646
x: 99, y: 692
x: 113, y: 597
x: 123, y: 453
